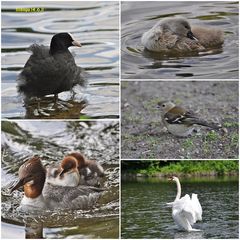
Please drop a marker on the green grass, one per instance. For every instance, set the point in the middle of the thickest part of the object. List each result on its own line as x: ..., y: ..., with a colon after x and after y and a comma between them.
x: 220, y: 167
x: 230, y: 124
x: 234, y: 140
x: 188, y: 143
x: 132, y: 138
x: 192, y: 167
x: 212, y: 136
x: 84, y: 117
x: 131, y: 118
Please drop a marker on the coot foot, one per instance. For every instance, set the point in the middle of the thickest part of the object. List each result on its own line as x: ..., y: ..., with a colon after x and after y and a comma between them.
x: 61, y: 104
x: 42, y: 107
x: 66, y: 104
x: 55, y: 98
x: 40, y: 112
x: 72, y: 94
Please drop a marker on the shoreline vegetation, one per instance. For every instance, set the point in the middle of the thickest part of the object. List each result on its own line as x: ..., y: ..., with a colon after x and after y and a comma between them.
x: 186, y: 169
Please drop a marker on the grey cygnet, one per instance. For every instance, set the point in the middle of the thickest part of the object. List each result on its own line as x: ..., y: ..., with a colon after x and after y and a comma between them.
x: 176, y: 34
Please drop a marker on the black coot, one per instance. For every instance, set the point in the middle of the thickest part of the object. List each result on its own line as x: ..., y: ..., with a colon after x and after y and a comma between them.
x: 50, y: 70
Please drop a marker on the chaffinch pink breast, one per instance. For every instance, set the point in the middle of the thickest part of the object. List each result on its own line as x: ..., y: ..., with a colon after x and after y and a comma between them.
x: 179, y: 121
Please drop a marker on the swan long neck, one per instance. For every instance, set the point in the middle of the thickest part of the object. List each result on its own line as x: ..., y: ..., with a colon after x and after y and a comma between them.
x: 178, y: 189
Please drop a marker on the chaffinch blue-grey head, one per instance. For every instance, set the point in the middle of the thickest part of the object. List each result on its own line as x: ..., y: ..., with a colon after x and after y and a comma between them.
x: 180, y: 121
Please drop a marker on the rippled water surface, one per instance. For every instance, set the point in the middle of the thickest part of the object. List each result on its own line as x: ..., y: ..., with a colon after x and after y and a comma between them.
x: 138, y: 17
x: 145, y: 215
x: 94, y: 24
x: 52, y: 141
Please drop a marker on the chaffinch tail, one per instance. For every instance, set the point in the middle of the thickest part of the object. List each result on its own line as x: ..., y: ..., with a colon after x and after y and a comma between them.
x: 180, y: 121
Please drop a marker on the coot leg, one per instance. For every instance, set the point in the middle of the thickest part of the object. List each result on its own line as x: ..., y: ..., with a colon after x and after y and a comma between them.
x: 38, y: 104
x: 66, y: 104
x: 72, y: 94
x: 28, y: 102
x: 55, y: 98
x: 58, y: 103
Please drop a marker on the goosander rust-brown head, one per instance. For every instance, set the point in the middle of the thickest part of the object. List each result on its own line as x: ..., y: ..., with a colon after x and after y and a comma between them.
x: 32, y: 177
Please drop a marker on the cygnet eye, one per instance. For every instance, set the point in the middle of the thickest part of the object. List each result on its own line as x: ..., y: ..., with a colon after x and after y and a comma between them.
x: 186, y: 27
x: 163, y: 105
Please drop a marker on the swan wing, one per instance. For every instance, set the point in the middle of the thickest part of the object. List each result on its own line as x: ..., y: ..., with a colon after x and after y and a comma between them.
x: 183, y: 213
x: 170, y: 204
x: 197, y: 207
x: 188, y: 210
x: 181, y: 220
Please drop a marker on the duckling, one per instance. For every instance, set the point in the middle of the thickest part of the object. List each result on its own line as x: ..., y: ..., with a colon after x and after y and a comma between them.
x: 67, y: 174
x: 85, y: 164
x: 176, y: 34
x: 208, y: 37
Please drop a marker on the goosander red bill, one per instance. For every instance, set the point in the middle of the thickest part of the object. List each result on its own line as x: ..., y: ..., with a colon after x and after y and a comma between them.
x: 39, y: 195
x: 85, y: 164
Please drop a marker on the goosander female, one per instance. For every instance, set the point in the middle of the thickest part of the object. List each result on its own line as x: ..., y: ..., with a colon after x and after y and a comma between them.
x: 38, y: 195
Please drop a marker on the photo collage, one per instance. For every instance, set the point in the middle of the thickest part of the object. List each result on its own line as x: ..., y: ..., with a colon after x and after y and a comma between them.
x: 120, y: 119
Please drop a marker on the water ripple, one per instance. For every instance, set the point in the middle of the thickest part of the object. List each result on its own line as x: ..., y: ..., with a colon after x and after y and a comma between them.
x: 138, y: 17
x: 94, y: 24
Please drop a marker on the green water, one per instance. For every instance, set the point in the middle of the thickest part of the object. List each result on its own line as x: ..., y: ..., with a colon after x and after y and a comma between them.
x: 145, y: 215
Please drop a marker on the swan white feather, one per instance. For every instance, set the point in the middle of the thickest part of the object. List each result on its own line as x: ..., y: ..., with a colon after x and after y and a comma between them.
x: 185, y: 211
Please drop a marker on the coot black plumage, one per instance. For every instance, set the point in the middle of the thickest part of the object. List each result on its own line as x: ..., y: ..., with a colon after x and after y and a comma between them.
x: 50, y: 70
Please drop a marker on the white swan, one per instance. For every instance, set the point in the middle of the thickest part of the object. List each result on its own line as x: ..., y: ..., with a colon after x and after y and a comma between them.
x: 185, y: 211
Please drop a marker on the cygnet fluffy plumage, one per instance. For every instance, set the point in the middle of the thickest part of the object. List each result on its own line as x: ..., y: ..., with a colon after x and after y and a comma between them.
x: 176, y: 34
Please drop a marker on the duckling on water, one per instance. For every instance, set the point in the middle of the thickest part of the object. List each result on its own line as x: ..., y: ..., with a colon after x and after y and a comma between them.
x: 176, y: 34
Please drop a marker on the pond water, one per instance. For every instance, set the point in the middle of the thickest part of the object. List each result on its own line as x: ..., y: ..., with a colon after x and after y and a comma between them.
x: 144, y: 213
x: 138, y: 17
x: 94, y: 24
x: 53, y: 140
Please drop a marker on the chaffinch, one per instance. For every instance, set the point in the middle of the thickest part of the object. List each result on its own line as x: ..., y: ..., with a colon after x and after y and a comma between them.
x: 179, y: 121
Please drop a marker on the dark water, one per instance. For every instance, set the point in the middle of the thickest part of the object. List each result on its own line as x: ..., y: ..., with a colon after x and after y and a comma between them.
x: 138, y: 17
x: 145, y: 215
x: 94, y: 24
x: 53, y: 140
